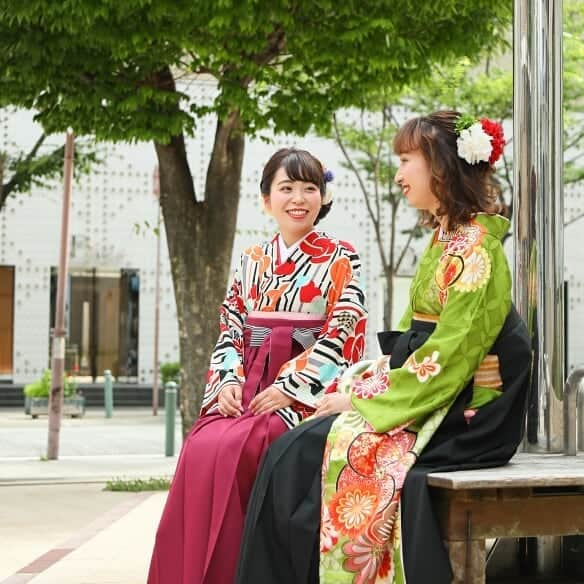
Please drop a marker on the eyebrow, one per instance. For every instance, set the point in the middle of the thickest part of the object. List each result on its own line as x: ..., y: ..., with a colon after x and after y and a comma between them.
x: 285, y: 181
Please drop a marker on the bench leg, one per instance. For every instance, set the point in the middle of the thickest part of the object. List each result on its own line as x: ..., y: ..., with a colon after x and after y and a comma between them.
x: 467, y: 560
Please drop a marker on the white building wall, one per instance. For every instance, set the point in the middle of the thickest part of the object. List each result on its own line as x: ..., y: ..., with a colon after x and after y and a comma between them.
x: 113, y: 207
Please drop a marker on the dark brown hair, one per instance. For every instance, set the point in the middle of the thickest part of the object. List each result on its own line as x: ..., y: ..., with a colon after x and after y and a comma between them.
x: 299, y: 165
x: 462, y: 189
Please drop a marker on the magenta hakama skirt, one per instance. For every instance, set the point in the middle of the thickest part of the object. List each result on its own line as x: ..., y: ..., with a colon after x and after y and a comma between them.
x: 199, y: 534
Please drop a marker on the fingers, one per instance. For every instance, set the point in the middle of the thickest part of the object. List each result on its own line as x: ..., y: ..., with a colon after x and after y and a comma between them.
x: 323, y: 411
x: 230, y: 401
x: 262, y: 403
x: 333, y: 404
x: 228, y: 407
x: 269, y: 400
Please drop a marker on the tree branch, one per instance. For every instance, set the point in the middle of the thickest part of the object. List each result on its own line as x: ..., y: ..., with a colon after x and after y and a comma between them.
x: 363, y: 188
x: 11, y: 185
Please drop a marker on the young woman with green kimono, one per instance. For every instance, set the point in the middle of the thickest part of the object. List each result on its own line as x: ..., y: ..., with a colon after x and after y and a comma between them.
x: 343, y: 497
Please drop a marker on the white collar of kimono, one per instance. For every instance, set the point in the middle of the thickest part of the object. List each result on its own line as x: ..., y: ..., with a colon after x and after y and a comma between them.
x: 286, y: 252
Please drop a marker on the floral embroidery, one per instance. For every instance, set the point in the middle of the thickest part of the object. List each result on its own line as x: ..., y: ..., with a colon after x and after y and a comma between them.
x: 368, y: 559
x: 463, y: 239
x: 257, y: 254
x: 319, y: 248
x: 351, y: 508
x: 371, y: 386
x: 355, y: 345
x: 477, y: 269
x: 377, y: 464
x: 443, y: 297
x: 309, y: 292
x: 449, y: 269
x: 469, y: 414
x: 429, y: 367
x: 285, y: 268
x: 328, y: 534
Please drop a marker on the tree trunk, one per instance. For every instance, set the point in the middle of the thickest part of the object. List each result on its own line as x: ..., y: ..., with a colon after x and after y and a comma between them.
x: 200, y: 241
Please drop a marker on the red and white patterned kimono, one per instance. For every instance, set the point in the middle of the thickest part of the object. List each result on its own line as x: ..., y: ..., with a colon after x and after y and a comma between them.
x: 295, y: 322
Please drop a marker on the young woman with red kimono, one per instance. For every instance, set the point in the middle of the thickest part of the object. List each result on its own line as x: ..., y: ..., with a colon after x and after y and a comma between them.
x: 343, y: 498
x: 293, y: 320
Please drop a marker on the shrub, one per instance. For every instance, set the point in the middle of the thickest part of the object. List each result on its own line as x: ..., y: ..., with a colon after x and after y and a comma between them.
x: 170, y: 371
x: 136, y: 485
x: 42, y: 387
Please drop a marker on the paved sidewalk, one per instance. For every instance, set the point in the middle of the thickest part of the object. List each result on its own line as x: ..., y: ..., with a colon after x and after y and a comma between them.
x: 57, y: 524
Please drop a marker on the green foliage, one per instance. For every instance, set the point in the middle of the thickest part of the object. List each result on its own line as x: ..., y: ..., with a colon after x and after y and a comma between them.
x: 137, y: 485
x: 573, y: 90
x: 170, y: 371
x: 488, y: 91
x: 287, y: 64
x: 42, y: 387
x: 463, y: 122
x: 20, y: 171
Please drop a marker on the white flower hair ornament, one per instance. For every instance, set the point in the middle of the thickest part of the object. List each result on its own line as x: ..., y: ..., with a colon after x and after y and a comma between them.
x: 328, y: 195
x: 479, y: 140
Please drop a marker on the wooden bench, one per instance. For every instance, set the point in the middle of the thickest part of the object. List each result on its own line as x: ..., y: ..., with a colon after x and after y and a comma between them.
x: 535, y: 494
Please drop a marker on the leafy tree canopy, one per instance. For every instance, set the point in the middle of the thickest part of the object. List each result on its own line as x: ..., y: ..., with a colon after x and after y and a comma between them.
x: 285, y: 63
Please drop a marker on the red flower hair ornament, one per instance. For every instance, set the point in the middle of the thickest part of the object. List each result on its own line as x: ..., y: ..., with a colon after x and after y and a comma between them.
x: 479, y: 140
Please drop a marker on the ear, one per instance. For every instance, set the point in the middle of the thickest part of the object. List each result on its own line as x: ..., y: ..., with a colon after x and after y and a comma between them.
x: 267, y: 204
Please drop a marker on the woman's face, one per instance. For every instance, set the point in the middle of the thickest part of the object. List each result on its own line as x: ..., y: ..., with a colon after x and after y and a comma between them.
x: 294, y: 205
x: 413, y: 176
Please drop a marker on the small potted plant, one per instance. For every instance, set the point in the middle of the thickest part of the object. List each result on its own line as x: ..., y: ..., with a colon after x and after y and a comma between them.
x: 36, y: 397
x: 170, y: 371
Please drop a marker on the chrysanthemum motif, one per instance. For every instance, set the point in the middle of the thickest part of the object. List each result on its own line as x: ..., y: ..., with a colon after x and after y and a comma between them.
x: 350, y: 509
x: 371, y: 386
x: 429, y: 367
x: 474, y: 144
x: 370, y: 561
x: 477, y: 269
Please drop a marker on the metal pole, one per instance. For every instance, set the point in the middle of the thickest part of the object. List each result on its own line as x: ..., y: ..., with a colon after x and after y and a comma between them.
x: 170, y: 417
x: 539, y: 209
x: 108, y: 393
x: 538, y: 225
x: 58, y: 353
x: 155, y: 385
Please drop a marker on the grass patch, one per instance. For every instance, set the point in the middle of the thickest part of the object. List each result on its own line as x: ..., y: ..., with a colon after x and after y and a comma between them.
x: 136, y: 485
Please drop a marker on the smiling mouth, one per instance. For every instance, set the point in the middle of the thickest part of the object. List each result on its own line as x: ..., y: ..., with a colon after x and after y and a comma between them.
x: 297, y: 213
x: 405, y: 190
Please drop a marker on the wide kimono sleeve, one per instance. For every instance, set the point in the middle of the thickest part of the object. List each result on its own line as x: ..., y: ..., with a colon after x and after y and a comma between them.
x: 226, y: 364
x: 341, y: 341
x: 478, y: 299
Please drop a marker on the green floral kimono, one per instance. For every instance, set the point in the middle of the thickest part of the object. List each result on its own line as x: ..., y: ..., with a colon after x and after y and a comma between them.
x: 462, y: 284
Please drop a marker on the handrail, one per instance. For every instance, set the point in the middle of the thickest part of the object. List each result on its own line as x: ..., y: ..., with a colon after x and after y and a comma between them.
x: 574, y: 412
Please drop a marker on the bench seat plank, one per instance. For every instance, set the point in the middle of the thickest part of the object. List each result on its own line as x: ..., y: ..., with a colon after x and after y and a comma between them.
x: 524, y: 470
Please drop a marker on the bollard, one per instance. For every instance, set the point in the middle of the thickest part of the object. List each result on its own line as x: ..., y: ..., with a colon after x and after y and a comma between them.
x: 108, y: 393
x: 169, y: 414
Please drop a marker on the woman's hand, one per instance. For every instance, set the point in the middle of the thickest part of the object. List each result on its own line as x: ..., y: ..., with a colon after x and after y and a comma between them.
x: 229, y: 400
x: 333, y: 403
x: 269, y: 400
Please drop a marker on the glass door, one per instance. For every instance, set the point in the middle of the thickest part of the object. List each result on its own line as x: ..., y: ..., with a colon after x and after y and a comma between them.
x: 102, y: 322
